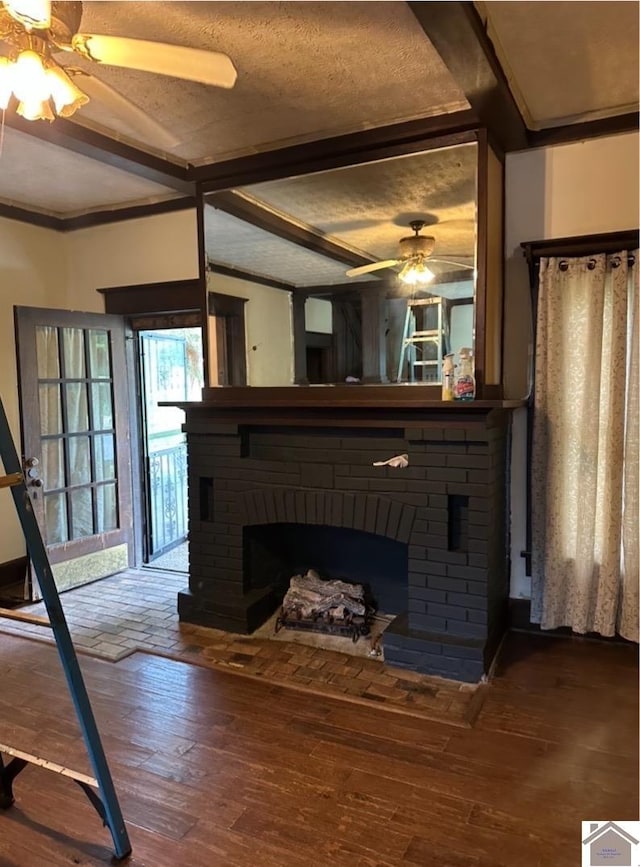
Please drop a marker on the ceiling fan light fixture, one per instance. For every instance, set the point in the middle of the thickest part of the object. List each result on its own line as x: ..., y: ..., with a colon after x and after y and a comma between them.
x: 416, y: 273
x: 66, y: 95
x: 29, y: 79
x: 32, y: 109
x: 34, y: 14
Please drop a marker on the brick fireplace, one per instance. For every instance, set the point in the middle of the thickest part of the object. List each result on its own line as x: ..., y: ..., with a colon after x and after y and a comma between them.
x: 275, y: 491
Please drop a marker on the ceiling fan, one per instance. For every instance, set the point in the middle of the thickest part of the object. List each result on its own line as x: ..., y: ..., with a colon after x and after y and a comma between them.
x: 43, y: 88
x: 414, y: 251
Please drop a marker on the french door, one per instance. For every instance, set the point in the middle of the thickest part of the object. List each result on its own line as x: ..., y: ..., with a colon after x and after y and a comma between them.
x: 75, y: 439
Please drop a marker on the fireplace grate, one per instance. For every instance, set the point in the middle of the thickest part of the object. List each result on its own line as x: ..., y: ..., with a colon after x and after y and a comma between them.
x: 352, y: 627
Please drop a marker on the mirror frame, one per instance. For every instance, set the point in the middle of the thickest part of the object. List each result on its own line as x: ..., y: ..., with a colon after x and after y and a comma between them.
x: 311, y: 159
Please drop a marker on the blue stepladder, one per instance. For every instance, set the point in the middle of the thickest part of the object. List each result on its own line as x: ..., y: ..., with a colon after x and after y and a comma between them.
x: 99, y: 789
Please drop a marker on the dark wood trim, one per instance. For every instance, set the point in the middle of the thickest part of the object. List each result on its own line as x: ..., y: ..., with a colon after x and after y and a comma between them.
x: 202, y: 282
x: 582, y: 245
x: 13, y: 572
x: 236, y: 205
x: 585, y: 130
x: 459, y: 36
x: 299, y: 326
x: 159, y: 321
x: 144, y: 298
x: 249, y: 276
x: 95, y: 218
x: 34, y: 218
x: 318, y: 339
x: 364, y: 146
x: 95, y: 145
x: 479, y: 348
x: 130, y: 212
x: 410, y: 397
x: 225, y: 305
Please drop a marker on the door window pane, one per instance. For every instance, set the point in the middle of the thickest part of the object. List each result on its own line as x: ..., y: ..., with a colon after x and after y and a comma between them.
x: 52, y: 464
x: 50, y: 409
x: 99, y: 354
x: 47, y: 352
x: 102, y: 405
x: 79, y: 461
x: 81, y: 513
x: 77, y: 413
x: 107, y: 513
x: 73, y: 351
x: 55, y: 515
x: 105, y: 458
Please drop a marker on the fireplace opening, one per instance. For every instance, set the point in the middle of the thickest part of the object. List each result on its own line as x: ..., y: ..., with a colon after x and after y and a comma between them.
x: 273, y: 553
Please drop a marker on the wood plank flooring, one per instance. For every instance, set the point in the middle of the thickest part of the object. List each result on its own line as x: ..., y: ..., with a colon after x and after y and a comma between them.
x: 215, y: 769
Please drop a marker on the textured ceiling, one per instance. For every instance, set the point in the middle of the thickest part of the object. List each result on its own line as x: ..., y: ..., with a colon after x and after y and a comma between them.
x: 305, y: 71
x: 55, y: 181
x: 233, y: 242
x: 567, y: 62
x: 369, y: 207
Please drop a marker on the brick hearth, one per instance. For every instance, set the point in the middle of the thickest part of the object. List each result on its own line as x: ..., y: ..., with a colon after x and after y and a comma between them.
x: 448, y: 507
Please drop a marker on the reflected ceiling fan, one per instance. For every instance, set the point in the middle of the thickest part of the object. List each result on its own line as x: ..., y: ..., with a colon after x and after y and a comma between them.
x: 414, y: 251
x: 43, y: 89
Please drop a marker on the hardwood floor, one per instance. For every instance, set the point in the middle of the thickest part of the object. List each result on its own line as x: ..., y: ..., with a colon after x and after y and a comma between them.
x: 214, y: 769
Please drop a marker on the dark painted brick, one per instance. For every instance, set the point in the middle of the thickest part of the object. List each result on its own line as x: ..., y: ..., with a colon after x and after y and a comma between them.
x: 417, y: 552
x: 447, y: 556
x: 451, y: 612
x: 417, y: 606
x: 473, y: 668
x: 467, y: 600
x: 439, y: 662
x: 352, y: 484
x: 316, y: 475
x: 468, y: 461
x: 406, y: 524
x: 437, y: 582
x: 371, y: 514
x: 465, y: 628
x: 426, y: 594
x: 477, y: 616
x: 416, y: 579
x: 395, y: 512
x: 473, y: 573
x: 435, y: 514
x: 359, y: 512
x: 438, y: 501
x: 348, y: 507
x: 432, y: 433
x: 426, y: 623
x: 446, y: 474
x: 480, y: 561
x: 429, y: 459
x: 439, y: 528
x: 477, y: 588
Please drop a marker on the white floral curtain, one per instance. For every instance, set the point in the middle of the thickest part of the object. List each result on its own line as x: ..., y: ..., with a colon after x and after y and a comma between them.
x: 585, y: 446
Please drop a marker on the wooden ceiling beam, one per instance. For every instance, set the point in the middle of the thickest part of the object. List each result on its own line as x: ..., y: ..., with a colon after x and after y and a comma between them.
x: 248, y: 276
x: 108, y: 151
x: 458, y: 35
x: 251, y: 212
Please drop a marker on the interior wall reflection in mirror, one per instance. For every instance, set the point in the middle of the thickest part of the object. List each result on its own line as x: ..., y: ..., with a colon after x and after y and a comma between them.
x: 363, y: 274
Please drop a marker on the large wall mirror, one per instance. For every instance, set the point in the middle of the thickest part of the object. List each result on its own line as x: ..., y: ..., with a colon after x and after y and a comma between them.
x: 364, y: 274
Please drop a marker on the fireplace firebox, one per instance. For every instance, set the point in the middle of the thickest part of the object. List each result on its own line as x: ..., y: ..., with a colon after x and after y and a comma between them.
x: 272, y: 495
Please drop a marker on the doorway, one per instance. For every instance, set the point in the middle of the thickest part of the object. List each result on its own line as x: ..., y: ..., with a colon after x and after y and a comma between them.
x: 171, y: 370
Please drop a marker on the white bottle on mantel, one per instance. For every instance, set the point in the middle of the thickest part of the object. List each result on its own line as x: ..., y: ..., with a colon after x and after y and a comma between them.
x: 448, y: 376
x: 465, y: 387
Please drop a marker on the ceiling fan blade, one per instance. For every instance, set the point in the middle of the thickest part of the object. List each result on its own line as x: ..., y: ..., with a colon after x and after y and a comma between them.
x: 137, y: 120
x: 194, y: 64
x: 449, y: 262
x: 374, y: 266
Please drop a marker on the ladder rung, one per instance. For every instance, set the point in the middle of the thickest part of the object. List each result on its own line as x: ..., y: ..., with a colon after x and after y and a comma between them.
x: 11, y: 480
x: 424, y: 363
x: 423, y: 302
x: 34, y: 619
x: 50, y: 766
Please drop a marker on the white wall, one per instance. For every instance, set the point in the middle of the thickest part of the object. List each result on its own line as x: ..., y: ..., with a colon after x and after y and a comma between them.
x: 33, y: 273
x: 582, y: 188
x: 268, y: 329
x: 318, y: 315
x: 159, y: 248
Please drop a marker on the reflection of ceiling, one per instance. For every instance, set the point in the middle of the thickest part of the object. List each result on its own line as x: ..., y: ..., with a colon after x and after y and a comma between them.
x: 567, y: 62
x: 367, y: 208
x: 303, y: 73
x: 232, y: 242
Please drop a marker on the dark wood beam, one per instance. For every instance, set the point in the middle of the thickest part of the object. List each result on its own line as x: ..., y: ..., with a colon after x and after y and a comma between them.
x: 458, y: 34
x: 143, y: 298
x: 374, y: 342
x: 129, y: 212
x: 589, y: 129
x: 249, y: 276
x: 250, y: 212
x: 34, y: 218
x: 95, y: 145
x: 330, y: 153
x: 299, y: 341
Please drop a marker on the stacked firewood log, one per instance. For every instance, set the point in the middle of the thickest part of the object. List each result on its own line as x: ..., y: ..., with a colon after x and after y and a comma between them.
x: 309, y: 596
